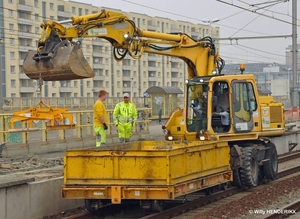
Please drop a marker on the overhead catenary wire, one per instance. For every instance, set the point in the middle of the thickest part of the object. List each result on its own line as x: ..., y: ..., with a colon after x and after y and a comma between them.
x: 127, y: 1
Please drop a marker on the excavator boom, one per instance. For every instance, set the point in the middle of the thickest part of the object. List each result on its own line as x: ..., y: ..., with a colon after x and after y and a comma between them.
x: 59, y: 57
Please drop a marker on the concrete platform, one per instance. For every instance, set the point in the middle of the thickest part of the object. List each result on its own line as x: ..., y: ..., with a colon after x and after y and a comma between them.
x: 9, y: 181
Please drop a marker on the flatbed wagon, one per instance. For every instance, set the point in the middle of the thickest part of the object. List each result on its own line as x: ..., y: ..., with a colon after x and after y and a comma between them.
x: 145, y: 170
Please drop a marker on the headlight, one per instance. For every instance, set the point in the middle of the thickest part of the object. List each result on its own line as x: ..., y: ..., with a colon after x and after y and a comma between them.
x: 170, y: 138
x: 203, y: 137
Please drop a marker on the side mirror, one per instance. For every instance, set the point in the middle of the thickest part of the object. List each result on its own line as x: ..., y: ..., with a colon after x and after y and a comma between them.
x: 159, y: 115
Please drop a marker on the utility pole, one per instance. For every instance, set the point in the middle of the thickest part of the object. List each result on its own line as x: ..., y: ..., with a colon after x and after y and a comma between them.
x: 294, y: 52
x: 210, y: 23
x: 1, y: 71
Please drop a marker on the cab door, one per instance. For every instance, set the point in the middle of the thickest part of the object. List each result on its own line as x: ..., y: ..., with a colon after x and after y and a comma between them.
x: 242, y: 105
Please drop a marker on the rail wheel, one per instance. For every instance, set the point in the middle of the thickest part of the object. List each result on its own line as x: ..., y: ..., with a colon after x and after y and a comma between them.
x: 249, y: 169
x: 237, y: 181
x: 157, y: 205
x: 271, y: 165
x: 92, y: 205
x: 224, y: 186
x: 209, y: 191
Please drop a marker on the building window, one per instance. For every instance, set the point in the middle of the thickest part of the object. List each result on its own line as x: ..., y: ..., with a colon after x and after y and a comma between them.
x: 12, y: 55
x: 51, y: 6
x: 79, y: 11
x: 53, y: 94
x: 143, y: 21
x: 36, y: 3
x: 51, y: 17
x: 73, y: 10
x: 53, y: 83
x: 11, y: 27
x: 144, y: 84
x: 10, y: 13
x: 11, y: 41
x: 87, y: 48
x: 13, y: 83
x: 145, y: 74
x: 106, y: 84
x: 88, y: 84
x: 12, y: 69
x: 167, y: 25
x: 36, y: 17
x: 75, y: 94
x: 86, y: 11
x: 36, y: 30
x: 10, y: 1
x: 118, y: 84
x: 118, y: 72
x: 106, y: 72
x: 75, y: 83
x: 13, y: 95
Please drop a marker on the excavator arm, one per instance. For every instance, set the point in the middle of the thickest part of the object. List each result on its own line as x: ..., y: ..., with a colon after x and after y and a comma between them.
x: 59, y: 55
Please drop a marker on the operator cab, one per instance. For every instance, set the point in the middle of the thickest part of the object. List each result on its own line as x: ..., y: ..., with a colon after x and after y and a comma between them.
x: 220, y: 104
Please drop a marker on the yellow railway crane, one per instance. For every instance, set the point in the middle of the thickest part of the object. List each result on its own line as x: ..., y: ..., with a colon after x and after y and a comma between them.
x: 223, y: 133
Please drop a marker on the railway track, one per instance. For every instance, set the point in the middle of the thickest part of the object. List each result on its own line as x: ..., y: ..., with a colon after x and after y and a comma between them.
x: 285, y: 212
x: 179, y: 208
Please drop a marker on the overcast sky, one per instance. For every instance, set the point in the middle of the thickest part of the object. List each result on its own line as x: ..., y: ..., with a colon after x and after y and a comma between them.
x: 236, y: 20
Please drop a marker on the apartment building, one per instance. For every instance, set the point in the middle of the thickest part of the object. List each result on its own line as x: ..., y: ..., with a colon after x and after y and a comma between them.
x: 20, y: 30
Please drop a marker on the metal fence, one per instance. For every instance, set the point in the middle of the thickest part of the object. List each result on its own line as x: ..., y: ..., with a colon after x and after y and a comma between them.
x: 84, y: 103
x: 12, y: 104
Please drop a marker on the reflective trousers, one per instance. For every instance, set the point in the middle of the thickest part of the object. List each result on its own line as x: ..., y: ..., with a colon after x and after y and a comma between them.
x: 100, y: 135
x: 124, y: 131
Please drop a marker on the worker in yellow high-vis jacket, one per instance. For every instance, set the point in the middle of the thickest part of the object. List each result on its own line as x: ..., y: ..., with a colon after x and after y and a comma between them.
x: 125, y: 116
x: 100, y: 119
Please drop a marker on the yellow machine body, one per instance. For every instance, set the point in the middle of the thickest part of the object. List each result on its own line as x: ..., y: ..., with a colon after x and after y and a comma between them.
x: 203, y: 149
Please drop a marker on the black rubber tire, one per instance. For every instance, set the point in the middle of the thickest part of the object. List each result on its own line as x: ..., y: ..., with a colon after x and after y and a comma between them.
x: 271, y: 166
x: 237, y: 181
x: 249, y: 169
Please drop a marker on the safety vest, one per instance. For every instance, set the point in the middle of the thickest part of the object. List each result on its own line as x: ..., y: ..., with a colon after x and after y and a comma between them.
x: 124, y: 113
